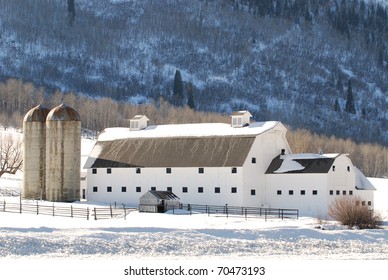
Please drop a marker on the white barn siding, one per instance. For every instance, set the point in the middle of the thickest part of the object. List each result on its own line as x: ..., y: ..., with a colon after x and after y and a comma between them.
x: 266, y: 146
x: 309, y: 204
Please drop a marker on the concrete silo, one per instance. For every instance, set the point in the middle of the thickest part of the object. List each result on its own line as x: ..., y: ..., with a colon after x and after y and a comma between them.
x: 63, y: 153
x: 34, y: 153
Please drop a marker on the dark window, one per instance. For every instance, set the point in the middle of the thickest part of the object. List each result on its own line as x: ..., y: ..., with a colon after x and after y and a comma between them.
x: 315, y: 192
x: 253, y: 160
x: 168, y: 170
x: 109, y: 189
x: 184, y: 189
x: 348, y: 168
x: 109, y: 171
x: 234, y: 190
x: 302, y: 192
x: 200, y: 189
x: 123, y: 189
x: 253, y: 192
x: 369, y: 203
x: 153, y: 188
x: 291, y: 192
x: 138, y: 189
x: 279, y: 192
x: 343, y: 192
x: 363, y: 203
x: 169, y: 189
x: 331, y: 192
x: 95, y: 189
x: 333, y: 167
x: 234, y: 169
x: 350, y: 192
x: 217, y: 190
x: 138, y: 170
x: 337, y: 192
x: 201, y: 170
x: 94, y: 171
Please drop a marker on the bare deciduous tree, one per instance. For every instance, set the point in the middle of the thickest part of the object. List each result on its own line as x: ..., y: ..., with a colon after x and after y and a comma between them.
x: 11, y: 156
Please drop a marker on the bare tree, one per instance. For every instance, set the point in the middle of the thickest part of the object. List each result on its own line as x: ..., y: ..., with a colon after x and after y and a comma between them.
x: 11, y: 155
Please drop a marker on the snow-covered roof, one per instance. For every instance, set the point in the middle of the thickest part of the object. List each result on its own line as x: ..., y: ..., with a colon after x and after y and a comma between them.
x: 362, y: 183
x: 178, y: 145
x: 187, y: 130
x: 302, y: 163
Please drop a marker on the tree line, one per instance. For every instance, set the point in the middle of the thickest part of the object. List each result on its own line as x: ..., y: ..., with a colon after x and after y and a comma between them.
x: 17, y: 97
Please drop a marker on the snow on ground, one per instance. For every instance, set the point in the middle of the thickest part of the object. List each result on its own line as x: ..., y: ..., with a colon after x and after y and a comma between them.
x: 199, y: 236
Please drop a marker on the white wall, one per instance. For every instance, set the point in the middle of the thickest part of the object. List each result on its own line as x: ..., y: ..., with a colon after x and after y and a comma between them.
x: 309, y: 204
x: 157, y: 177
x: 265, y: 148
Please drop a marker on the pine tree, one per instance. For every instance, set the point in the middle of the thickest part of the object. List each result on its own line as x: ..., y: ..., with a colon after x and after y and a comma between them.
x: 71, y: 11
x: 178, y: 89
x: 350, y: 108
x: 190, y: 97
x: 337, y: 107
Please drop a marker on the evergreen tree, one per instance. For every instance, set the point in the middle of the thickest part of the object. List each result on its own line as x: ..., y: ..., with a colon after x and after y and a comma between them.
x: 337, y: 106
x: 178, y: 89
x: 190, y: 97
x: 350, y: 108
x: 71, y: 10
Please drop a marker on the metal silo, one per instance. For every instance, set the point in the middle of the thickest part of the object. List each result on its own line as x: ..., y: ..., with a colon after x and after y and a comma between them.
x: 34, y: 153
x: 63, y: 153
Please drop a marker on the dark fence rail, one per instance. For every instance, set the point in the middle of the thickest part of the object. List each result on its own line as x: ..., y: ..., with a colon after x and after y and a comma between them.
x: 247, y: 212
x: 95, y: 213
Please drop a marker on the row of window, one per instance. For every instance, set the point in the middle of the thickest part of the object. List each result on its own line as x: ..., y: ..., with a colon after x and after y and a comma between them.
x: 315, y: 192
x: 184, y: 189
x: 302, y: 192
x: 201, y: 170
x: 337, y: 192
x: 347, y: 168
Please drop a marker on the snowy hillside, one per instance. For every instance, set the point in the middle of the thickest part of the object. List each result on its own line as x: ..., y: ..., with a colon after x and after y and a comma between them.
x: 282, y: 60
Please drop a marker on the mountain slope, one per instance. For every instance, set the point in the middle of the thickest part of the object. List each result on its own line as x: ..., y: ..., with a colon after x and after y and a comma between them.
x: 282, y: 60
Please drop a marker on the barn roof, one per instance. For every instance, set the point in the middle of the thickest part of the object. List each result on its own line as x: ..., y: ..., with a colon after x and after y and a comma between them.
x: 165, y: 195
x: 171, y: 152
x: 301, y: 163
x: 189, y: 145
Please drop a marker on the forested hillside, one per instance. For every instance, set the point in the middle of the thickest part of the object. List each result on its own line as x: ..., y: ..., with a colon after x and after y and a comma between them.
x: 16, y: 98
x: 320, y: 65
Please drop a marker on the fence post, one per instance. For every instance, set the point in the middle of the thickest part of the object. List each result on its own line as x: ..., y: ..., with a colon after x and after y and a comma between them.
x: 282, y: 214
x: 125, y: 212
x: 4, y: 206
x: 226, y: 210
x: 37, y: 208
x: 20, y: 201
x: 245, y: 213
x: 53, y: 210
x: 87, y: 213
x: 297, y: 214
x: 95, y: 214
x: 111, y: 213
x: 71, y: 211
x: 265, y: 213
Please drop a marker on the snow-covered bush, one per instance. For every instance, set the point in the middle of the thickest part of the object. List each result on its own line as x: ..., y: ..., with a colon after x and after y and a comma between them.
x: 350, y: 212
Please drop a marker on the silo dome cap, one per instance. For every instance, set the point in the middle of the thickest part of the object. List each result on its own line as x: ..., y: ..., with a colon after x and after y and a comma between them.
x: 36, y: 114
x: 63, y: 113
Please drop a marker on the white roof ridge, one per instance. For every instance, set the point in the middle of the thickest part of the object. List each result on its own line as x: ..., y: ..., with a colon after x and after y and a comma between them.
x: 187, y: 130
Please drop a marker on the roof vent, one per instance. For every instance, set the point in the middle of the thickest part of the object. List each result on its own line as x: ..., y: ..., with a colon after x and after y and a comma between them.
x: 138, y: 122
x: 241, y: 118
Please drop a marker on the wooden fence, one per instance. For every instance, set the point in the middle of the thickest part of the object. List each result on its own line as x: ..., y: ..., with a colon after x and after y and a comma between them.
x: 95, y: 213
x: 247, y: 212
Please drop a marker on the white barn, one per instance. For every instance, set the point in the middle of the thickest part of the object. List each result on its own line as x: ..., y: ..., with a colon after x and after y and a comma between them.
x: 209, y: 163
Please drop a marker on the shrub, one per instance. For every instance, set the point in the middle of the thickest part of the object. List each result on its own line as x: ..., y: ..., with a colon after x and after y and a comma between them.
x: 350, y: 212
